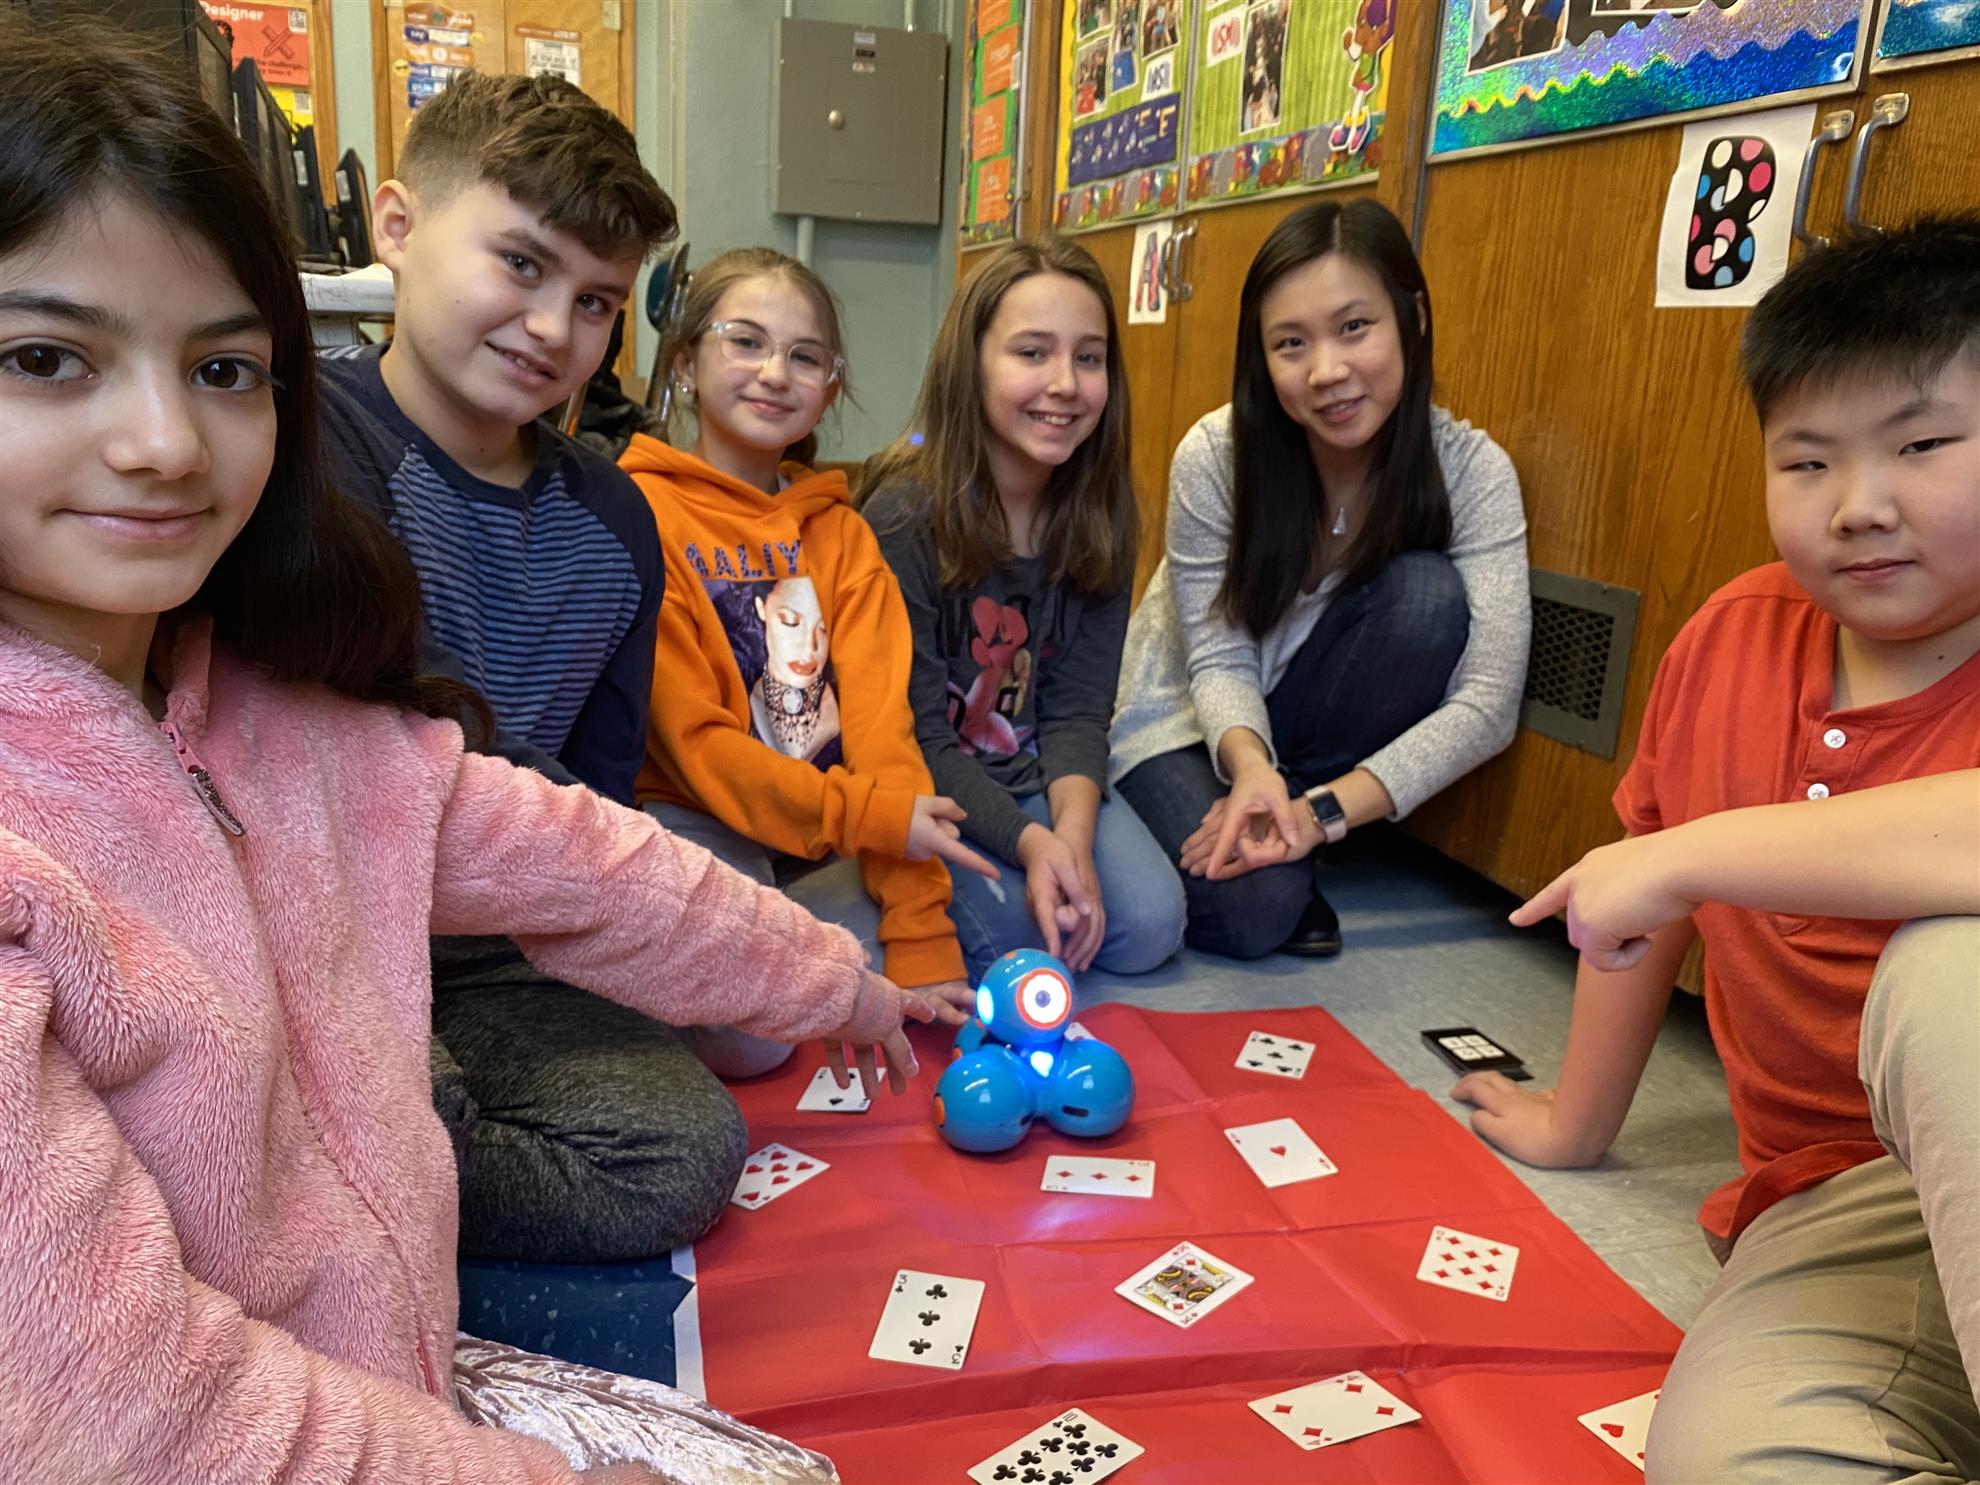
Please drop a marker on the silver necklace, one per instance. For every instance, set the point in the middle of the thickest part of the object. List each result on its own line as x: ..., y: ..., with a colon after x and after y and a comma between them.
x: 794, y: 712
x: 1339, y: 528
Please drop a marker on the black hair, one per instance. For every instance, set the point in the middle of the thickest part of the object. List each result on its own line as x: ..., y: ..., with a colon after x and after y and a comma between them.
x: 1277, y: 503
x: 1902, y: 303
x: 313, y: 588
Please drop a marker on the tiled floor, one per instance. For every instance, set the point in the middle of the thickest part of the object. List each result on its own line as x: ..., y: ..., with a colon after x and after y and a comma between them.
x: 1427, y: 945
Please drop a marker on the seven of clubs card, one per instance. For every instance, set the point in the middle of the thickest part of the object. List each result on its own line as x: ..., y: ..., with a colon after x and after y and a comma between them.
x: 823, y: 1096
x: 1183, y: 1285
x: 1278, y: 1056
x: 1623, y: 1426
x: 1470, y: 1264
x: 1334, y: 1411
x: 774, y: 1171
x: 927, y: 1320
x: 1073, y: 1446
x: 1279, y: 1152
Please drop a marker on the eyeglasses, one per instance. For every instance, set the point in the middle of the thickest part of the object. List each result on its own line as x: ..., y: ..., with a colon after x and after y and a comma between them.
x: 808, y: 363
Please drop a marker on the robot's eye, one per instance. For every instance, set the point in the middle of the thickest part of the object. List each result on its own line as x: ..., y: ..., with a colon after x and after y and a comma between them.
x: 1044, y: 999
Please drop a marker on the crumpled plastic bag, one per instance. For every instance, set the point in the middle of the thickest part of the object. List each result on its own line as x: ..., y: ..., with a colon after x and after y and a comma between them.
x: 595, y: 1417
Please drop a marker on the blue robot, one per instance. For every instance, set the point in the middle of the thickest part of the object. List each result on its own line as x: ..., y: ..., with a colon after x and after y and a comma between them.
x: 1013, y: 1063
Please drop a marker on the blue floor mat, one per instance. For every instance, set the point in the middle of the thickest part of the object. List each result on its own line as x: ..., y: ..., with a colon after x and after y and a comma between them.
x: 618, y: 1316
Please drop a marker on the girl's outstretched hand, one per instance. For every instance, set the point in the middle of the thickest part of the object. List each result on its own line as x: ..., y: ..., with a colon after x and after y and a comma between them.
x: 933, y: 831
x: 892, y: 1048
x: 954, y: 1001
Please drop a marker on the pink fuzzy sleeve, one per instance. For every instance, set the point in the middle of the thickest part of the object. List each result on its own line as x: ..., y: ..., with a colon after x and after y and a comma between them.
x: 601, y: 897
x: 118, y: 1365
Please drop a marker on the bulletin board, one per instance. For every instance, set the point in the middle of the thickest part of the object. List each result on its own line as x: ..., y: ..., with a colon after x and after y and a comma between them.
x: 1515, y: 72
x: 1911, y: 32
x: 1288, y: 95
x: 993, y: 131
x: 1123, y: 65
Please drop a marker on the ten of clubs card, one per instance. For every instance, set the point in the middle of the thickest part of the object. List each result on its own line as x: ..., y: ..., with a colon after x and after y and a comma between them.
x: 1183, y: 1285
x: 1469, y: 1264
x: 1277, y: 1056
x: 927, y: 1320
x: 1334, y: 1411
x: 1073, y: 1446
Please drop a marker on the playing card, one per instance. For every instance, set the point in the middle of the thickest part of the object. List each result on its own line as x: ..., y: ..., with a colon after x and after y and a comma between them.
x: 1183, y: 1285
x: 1334, y: 1411
x: 1078, y: 1033
x: 1090, y: 1176
x: 1281, y: 1056
x: 927, y: 1320
x: 1623, y: 1426
x: 1073, y: 1446
x: 1279, y: 1152
x: 774, y: 1171
x: 824, y: 1096
x: 1474, y: 1265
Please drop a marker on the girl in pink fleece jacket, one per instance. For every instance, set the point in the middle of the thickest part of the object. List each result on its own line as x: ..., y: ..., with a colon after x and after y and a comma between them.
x: 231, y: 814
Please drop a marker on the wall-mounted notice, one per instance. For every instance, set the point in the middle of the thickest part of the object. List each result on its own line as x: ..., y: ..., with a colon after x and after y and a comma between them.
x: 1122, y: 67
x: 1291, y: 94
x: 1729, y: 212
x: 992, y: 123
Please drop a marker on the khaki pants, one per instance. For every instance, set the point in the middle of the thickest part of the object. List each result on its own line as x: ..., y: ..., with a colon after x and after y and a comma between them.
x: 1830, y: 1349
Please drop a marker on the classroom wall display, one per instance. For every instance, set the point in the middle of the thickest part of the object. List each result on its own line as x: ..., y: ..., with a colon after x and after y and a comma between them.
x: 1728, y: 215
x: 1514, y: 72
x: 1288, y: 94
x: 1123, y: 65
x: 277, y: 37
x: 1913, y: 31
x: 993, y: 123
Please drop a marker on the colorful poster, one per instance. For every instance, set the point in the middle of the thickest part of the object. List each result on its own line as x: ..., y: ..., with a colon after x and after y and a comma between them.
x: 276, y: 36
x: 1513, y: 72
x: 1728, y: 215
x: 993, y: 127
x: 1915, y: 31
x: 1148, y: 295
x: 439, y: 45
x: 1291, y: 95
x: 1122, y: 66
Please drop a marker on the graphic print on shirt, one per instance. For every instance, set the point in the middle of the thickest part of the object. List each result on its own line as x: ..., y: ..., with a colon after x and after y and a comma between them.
x: 782, y: 647
x: 985, y: 716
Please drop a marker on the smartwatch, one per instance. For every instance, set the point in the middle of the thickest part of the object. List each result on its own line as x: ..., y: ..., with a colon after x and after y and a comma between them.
x: 1327, y: 814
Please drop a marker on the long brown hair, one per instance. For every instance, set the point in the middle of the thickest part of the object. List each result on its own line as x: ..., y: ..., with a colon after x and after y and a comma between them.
x: 313, y: 588
x: 943, y: 462
x: 723, y: 272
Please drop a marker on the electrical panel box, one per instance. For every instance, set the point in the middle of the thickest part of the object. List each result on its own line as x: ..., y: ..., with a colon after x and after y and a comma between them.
x: 861, y: 121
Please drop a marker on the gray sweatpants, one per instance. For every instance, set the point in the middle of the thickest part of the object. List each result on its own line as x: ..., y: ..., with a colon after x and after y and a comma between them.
x: 593, y: 1133
x: 1841, y: 1343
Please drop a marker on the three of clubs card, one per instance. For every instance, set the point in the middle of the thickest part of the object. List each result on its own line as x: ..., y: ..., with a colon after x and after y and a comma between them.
x: 1276, y: 1056
x: 1468, y: 1263
x: 823, y: 1096
x: 927, y: 1320
x: 1088, y: 1175
x: 1074, y: 1445
x: 774, y: 1171
x: 1623, y: 1426
x: 1183, y: 1285
x: 1336, y: 1410
x: 1280, y: 1153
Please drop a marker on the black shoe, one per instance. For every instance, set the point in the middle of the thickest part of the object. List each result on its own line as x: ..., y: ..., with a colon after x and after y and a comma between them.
x: 1317, y: 935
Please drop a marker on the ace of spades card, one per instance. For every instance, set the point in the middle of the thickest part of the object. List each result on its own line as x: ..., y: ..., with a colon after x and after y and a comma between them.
x: 927, y: 1320
x: 1276, y: 1056
x: 1075, y: 1446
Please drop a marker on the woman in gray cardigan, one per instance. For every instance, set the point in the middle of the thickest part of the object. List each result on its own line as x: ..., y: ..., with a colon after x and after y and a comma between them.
x: 1339, y: 626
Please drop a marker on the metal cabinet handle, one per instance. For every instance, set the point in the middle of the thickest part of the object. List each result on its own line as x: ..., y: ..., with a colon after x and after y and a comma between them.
x: 1183, y: 291
x: 1165, y: 273
x: 1835, y: 127
x: 1887, y: 111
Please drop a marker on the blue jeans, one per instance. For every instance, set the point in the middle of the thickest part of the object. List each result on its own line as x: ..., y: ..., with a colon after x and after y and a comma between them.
x: 1140, y: 891
x: 829, y: 890
x: 1375, y: 665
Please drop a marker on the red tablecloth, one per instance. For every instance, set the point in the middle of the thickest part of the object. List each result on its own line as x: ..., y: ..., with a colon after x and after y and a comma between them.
x: 789, y: 1294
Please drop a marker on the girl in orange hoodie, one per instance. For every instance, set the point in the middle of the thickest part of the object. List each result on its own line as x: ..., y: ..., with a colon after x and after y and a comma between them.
x: 780, y: 730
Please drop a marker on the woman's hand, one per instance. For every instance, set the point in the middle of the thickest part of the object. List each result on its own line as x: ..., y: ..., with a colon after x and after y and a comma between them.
x: 1059, y: 899
x: 933, y: 831
x: 893, y: 1048
x: 1519, y: 1121
x: 1616, y: 897
x: 1255, y: 825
